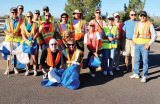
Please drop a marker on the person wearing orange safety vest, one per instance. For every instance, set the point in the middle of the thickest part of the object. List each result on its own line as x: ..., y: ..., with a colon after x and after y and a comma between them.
x: 72, y: 55
x: 12, y: 31
x: 93, y: 42
x: 29, y: 29
x: 78, y: 29
x: 119, y: 40
x: 20, y: 9
x: 50, y: 58
x: 42, y: 17
x: 143, y: 38
x: 46, y: 30
x: 109, y: 44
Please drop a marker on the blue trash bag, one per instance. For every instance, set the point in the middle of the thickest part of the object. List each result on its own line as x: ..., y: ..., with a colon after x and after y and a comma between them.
x: 29, y: 49
x: 48, y: 83
x: 94, y: 62
x: 70, y: 78
x: 5, y: 52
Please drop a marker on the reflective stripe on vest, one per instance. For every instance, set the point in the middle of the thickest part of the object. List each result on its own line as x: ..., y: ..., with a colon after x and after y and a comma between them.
x: 62, y: 34
x: 10, y: 30
x: 47, y: 35
x: 33, y: 30
x: 78, y: 33
x: 92, y: 43
x: 105, y: 42
x: 143, y: 36
x: 100, y: 23
x: 75, y: 56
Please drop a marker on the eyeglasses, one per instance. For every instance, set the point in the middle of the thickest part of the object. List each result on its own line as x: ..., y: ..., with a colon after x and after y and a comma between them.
x: 133, y: 14
x: 143, y: 15
x: 48, y: 15
x: 71, y: 44
x: 54, y: 44
x: 13, y: 12
x: 64, y: 17
x: 117, y: 17
x: 98, y: 12
x: 110, y: 19
x: 29, y: 16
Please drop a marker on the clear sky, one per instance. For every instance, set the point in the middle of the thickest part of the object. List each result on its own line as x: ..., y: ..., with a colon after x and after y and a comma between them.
x: 57, y: 6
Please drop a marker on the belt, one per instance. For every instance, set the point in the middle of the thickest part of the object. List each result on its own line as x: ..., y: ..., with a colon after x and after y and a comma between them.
x: 128, y: 39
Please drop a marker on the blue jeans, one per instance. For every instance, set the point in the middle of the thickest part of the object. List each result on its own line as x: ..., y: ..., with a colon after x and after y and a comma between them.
x: 108, y: 54
x: 139, y: 49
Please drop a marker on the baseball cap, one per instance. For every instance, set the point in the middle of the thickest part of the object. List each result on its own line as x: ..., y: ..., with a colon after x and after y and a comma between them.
x: 46, y: 8
x: 110, y: 17
x: 20, y: 7
x: 77, y: 11
x: 13, y: 9
x: 91, y: 24
x: 143, y: 12
x: 116, y: 14
x: 37, y: 12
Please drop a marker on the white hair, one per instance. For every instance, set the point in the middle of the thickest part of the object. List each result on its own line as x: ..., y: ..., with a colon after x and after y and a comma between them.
x: 53, y: 41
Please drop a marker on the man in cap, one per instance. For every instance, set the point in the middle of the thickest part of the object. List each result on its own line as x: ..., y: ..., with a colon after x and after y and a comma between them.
x: 47, y: 31
x: 50, y: 58
x: 143, y: 38
x: 128, y: 49
x: 119, y: 40
x: 20, y: 9
x: 13, y: 33
x: 93, y: 42
x: 42, y: 17
x: 78, y: 29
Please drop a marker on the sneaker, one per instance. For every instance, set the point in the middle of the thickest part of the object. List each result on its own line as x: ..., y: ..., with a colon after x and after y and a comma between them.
x: 15, y: 70
x: 118, y: 69
x: 7, y: 71
x: 105, y: 72
x: 111, y: 73
x: 143, y: 80
x: 92, y: 74
x: 27, y: 73
x: 126, y: 69
x: 134, y: 76
x: 35, y: 73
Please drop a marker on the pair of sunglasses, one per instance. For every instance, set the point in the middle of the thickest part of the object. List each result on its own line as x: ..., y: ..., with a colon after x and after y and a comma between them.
x: 143, y: 15
x: 98, y: 12
x: 133, y: 14
x: 29, y: 16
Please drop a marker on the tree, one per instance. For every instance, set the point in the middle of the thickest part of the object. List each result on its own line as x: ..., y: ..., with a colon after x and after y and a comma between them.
x: 87, y: 7
x: 136, y: 5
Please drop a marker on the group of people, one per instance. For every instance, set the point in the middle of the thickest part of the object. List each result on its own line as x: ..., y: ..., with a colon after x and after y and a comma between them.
x: 62, y: 43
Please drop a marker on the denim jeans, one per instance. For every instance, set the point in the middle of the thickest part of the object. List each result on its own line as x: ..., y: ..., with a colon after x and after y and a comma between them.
x: 108, y: 54
x: 139, y: 49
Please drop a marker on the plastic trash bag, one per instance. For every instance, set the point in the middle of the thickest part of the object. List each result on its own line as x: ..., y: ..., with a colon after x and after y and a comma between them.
x: 94, y: 62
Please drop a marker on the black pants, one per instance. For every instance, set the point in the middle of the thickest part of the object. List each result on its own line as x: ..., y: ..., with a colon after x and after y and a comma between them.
x: 80, y: 44
x: 93, y: 70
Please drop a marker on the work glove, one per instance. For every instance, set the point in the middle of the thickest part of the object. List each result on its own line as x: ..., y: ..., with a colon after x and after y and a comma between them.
x: 31, y: 43
x: 12, y: 35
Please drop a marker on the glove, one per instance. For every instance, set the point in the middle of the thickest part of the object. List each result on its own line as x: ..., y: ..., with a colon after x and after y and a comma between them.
x: 31, y: 43
x: 51, y: 68
x: 12, y: 35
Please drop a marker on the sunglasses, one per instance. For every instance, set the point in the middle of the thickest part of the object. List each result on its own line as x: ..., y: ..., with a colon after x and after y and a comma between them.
x: 110, y: 19
x: 71, y: 44
x: 143, y: 15
x: 117, y: 17
x: 48, y: 15
x: 133, y: 14
x: 54, y: 44
x: 37, y: 13
x: 13, y: 12
x: 64, y: 17
x: 98, y: 12
x: 29, y: 16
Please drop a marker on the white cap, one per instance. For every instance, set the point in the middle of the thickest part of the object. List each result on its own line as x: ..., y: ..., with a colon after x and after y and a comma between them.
x: 116, y: 14
x: 110, y: 17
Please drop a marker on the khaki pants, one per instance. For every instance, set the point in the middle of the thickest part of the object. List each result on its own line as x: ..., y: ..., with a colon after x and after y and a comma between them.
x: 129, y: 49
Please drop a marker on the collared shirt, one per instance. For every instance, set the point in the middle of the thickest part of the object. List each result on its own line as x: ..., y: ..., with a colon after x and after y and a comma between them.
x: 14, y: 23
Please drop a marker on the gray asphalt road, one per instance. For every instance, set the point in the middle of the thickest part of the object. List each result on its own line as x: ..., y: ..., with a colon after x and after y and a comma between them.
x: 117, y: 89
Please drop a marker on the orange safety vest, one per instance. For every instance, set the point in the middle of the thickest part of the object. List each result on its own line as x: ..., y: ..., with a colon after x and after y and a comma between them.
x: 100, y: 23
x: 92, y: 43
x: 9, y: 25
x: 143, y: 36
x: 62, y: 34
x: 47, y: 35
x: 120, y: 30
x: 33, y: 31
x: 50, y: 61
x: 78, y: 33
x: 75, y: 56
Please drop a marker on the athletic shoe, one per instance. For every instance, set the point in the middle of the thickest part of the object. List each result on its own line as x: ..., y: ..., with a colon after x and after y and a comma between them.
x: 105, y: 72
x: 111, y: 73
x: 118, y: 69
x: 35, y: 73
x: 134, y: 76
x: 27, y: 73
x: 7, y: 71
x: 15, y: 70
x: 92, y: 74
x: 144, y: 79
